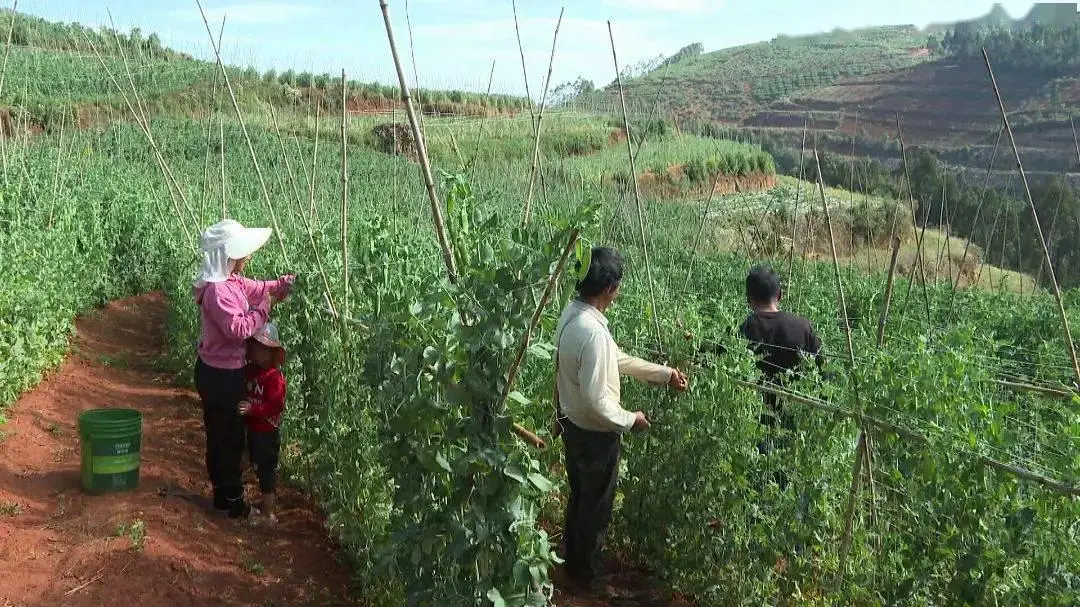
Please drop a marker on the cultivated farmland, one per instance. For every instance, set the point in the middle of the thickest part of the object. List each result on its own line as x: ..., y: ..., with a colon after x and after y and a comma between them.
x: 401, y: 414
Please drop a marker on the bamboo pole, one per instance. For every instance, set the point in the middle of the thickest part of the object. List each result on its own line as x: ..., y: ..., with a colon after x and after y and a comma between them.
x: 247, y: 138
x: 314, y: 166
x: 849, y: 510
x: 798, y: 194
x: 416, y: 72
x: 221, y: 152
x: 1038, y: 226
x: 1049, y: 236
x: 539, y: 122
x: 3, y: 73
x: 524, y: 70
x: 483, y: 119
x: 344, y: 195
x: 883, y: 319
x: 553, y: 280
x: 637, y: 193
x: 421, y: 149
x: 306, y: 222
x: 290, y: 175
x: 863, y: 455
x: 163, y: 166
x: 213, y: 109
x: 915, y: 226
x: 975, y: 222
x: 56, y: 172
x: 697, y: 237
x: 835, y: 259
x: 1049, y: 483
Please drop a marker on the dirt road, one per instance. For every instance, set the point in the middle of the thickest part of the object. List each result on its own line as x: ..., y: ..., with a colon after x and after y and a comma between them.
x: 152, y: 546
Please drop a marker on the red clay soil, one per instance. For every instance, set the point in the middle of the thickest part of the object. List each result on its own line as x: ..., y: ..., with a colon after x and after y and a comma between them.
x: 59, y: 546
x: 633, y: 588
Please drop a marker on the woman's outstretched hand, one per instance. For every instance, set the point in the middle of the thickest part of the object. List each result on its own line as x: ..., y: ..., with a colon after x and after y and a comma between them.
x: 288, y: 283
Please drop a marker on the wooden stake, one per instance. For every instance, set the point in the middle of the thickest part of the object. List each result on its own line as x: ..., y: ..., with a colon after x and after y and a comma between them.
x: 247, y: 138
x: 637, y: 193
x: 539, y: 122
x: 1038, y: 228
x: 421, y: 149
x: 344, y: 195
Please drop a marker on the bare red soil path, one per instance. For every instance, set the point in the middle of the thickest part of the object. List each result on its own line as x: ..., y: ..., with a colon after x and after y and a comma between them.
x: 155, y: 545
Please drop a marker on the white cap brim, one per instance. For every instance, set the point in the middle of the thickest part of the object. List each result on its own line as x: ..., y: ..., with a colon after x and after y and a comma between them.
x: 247, y: 242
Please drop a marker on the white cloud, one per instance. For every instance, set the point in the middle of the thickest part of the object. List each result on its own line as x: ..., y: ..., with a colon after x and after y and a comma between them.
x: 256, y: 13
x: 677, y: 6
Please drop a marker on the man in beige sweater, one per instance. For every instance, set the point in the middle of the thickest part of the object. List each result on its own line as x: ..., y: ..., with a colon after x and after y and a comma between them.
x: 591, y: 416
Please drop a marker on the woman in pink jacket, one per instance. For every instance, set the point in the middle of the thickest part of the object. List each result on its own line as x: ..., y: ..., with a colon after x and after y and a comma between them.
x: 232, y: 309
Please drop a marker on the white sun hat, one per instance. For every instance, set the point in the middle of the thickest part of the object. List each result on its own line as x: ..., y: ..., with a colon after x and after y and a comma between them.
x: 223, y: 244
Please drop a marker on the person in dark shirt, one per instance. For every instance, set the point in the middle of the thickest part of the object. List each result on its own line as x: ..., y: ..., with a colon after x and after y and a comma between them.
x: 780, y: 340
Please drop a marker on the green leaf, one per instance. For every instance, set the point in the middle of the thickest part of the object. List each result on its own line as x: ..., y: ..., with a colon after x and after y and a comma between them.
x: 445, y: 465
x: 495, y: 597
x: 515, y: 472
x: 518, y: 398
x: 540, y: 482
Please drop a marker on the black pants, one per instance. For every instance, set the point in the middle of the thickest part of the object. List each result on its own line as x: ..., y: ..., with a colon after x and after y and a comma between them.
x: 263, y: 448
x: 592, y: 468
x: 221, y: 391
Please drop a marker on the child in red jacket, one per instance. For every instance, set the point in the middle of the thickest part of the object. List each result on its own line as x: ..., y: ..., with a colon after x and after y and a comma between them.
x: 262, y: 407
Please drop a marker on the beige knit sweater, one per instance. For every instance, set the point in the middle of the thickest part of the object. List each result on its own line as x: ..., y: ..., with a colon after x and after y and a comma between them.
x: 590, y: 364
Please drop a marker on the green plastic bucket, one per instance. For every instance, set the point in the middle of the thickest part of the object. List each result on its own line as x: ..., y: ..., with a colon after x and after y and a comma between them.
x: 110, y: 443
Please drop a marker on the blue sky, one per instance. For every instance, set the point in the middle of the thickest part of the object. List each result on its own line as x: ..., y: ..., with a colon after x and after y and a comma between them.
x: 456, y: 40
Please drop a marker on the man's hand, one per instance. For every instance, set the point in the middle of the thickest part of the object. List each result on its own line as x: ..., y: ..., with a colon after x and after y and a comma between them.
x: 244, y: 407
x: 678, y: 380
x: 641, y: 422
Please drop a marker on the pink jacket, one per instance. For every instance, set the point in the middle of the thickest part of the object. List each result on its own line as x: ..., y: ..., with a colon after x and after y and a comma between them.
x: 231, y: 312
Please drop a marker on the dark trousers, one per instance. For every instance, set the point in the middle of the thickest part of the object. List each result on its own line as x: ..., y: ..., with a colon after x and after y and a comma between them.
x: 221, y: 391
x: 777, y: 422
x: 592, y: 468
x: 263, y: 449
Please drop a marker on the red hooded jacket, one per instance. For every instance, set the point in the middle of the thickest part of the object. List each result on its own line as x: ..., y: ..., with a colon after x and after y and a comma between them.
x: 266, y: 393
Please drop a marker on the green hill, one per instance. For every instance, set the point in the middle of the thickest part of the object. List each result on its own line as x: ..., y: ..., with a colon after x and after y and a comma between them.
x: 735, y: 83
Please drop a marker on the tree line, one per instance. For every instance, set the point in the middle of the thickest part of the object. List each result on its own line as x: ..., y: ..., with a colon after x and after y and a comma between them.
x: 1045, y: 49
x: 996, y: 219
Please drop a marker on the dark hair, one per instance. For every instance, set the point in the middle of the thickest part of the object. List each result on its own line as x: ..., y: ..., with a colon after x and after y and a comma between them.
x: 605, y: 271
x: 762, y: 284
